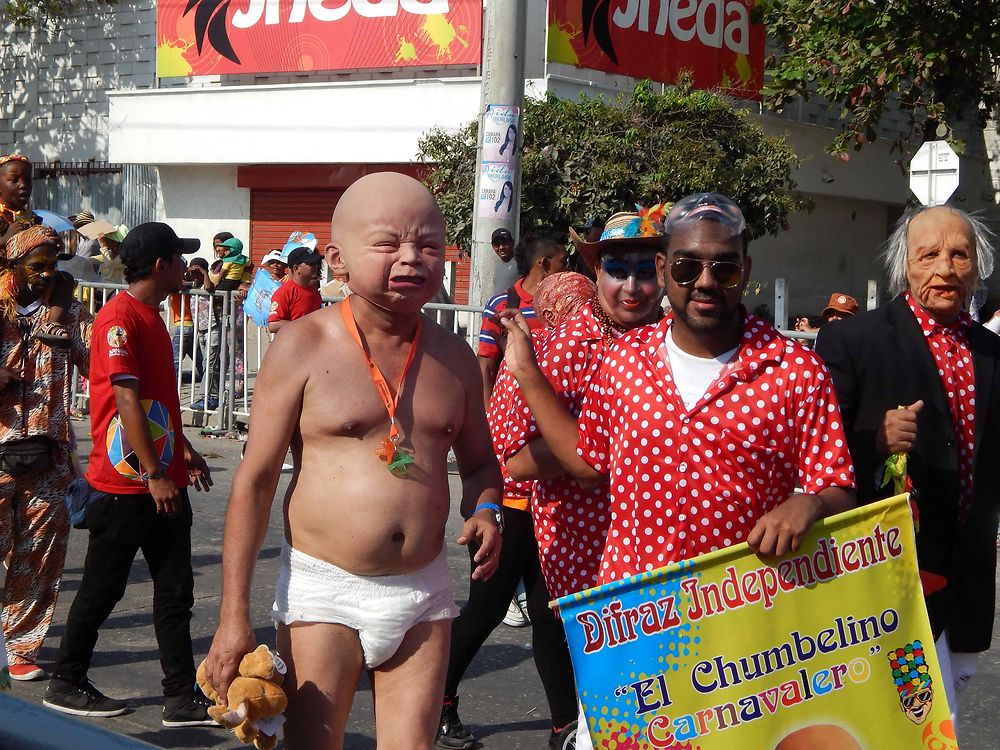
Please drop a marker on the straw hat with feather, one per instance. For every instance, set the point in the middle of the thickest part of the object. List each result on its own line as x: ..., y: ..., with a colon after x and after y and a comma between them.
x: 640, y: 229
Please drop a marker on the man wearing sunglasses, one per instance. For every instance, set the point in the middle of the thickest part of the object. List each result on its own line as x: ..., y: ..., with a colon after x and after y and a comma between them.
x: 708, y: 420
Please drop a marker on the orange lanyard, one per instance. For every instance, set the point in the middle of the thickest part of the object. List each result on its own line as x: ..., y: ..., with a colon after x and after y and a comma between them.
x: 389, y: 452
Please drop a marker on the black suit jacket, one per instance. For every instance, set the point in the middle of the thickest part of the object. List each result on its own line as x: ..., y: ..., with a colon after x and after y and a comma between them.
x: 880, y: 361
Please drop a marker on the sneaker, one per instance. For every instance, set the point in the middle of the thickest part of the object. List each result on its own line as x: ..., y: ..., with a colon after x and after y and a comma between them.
x: 188, y: 711
x: 563, y: 739
x: 81, y: 699
x: 26, y: 672
x: 517, y: 614
x: 451, y: 735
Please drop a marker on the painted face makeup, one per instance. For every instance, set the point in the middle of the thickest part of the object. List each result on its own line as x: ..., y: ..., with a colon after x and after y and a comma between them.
x: 628, y: 288
x: 37, y: 270
x: 621, y: 270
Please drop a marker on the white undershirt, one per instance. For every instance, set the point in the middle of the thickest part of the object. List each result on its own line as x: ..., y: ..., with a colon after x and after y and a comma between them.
x: 693, y: 375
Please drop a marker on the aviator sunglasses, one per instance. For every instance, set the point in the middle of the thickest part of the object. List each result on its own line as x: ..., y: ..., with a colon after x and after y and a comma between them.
x: 727, y: 273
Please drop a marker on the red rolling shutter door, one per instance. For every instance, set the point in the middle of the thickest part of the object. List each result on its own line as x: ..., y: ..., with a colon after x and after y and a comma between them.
x: 275, y: 214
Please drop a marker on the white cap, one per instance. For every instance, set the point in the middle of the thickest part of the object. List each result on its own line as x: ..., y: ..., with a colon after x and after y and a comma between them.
x: 273, y: 255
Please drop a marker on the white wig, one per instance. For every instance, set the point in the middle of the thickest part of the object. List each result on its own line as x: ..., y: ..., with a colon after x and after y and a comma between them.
x: 896, y: 247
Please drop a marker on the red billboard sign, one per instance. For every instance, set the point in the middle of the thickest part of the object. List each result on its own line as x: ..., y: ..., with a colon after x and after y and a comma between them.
x: 714, y: 40
x: 212, y: 37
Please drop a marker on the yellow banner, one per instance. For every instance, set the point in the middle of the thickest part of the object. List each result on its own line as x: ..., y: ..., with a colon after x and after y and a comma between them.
x: 825, y: 648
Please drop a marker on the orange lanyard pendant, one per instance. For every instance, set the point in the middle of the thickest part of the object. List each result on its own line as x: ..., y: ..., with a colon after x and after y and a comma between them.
x: 396, y: 458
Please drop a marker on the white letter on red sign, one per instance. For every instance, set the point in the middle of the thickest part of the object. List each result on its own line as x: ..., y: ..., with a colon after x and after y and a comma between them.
x: 710, y: 38
x: 376, y: 8
x: 625, y: 19
x: 738, y: 30
x: 680, y: 10
x: 425, y: 7
x: 320, y: 12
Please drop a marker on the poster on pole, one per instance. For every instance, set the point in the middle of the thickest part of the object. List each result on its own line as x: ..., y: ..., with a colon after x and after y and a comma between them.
x: 501, y: 134
x: 496, y: 192
x: 829, y: 646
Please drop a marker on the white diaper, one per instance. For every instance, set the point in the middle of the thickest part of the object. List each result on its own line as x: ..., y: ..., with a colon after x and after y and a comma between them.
x: 382, y: 609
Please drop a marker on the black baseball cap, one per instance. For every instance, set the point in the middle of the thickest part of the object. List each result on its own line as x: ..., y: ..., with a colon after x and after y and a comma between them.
x: 303, y: 255
x: 501, y: 235
x: 149, y: 242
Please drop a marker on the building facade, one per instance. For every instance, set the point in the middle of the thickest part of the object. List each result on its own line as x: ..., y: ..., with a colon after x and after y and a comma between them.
x: 260, y: 155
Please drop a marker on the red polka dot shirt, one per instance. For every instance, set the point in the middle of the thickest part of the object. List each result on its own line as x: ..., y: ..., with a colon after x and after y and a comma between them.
x: 685, y: 482
x: 571, y: 522
x: 949, y: 346
x: 515, y: 494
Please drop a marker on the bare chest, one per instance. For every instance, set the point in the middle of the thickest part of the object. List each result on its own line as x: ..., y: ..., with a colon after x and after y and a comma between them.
x: 341, y: 400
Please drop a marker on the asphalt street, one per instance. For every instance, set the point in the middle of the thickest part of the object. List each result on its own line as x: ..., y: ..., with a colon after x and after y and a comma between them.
x: 502, y: 699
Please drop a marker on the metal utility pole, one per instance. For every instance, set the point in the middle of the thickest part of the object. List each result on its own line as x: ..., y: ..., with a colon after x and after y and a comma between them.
x: 497, y: 200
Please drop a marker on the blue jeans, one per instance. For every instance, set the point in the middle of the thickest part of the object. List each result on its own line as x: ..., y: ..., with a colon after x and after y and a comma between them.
x: 189, y: 350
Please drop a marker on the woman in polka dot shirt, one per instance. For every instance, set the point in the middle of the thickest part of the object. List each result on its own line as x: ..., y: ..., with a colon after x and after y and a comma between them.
x: 571, y: 520
x: 557, y: 296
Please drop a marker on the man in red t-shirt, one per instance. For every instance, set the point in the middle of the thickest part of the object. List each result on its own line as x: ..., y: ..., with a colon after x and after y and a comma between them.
x: 139, y: 470
x: 300, y: 295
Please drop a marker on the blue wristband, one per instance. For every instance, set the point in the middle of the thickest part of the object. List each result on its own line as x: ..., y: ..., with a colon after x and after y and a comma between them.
x: 489, y: 506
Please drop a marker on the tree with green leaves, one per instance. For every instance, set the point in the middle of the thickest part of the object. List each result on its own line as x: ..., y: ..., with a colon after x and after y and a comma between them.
x: 43, y: 13
x: 937, y: 58
x: 587, y: 156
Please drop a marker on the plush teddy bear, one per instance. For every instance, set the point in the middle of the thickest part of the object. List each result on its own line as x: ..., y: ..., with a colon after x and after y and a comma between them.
x: 255, y: 701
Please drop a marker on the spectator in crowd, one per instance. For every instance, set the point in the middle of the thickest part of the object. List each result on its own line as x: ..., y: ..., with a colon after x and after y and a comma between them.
x: 592, y: 230
x: 502, y: 242
x: 112, y: 269
x: 300, y: 296
x: 266, y: 281
x: 207, y: 334
x: 139, y: 469
x: 231, y: 271
x: 183, y: 337
x: 537, y: 255
x: 839, y: 307
x: 558, y: 297
x: 81, y: 263
x: 276, y: 266
x: 923, y: 351
x: 15, y: 192
x: 35, y: 439
x: 85, y: 248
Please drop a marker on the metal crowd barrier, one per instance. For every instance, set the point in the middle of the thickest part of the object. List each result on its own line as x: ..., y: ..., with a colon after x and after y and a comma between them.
x: 222, y: 349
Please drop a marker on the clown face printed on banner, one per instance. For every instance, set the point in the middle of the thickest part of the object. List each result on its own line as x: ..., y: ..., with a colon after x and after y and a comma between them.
x: 912, y: 676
